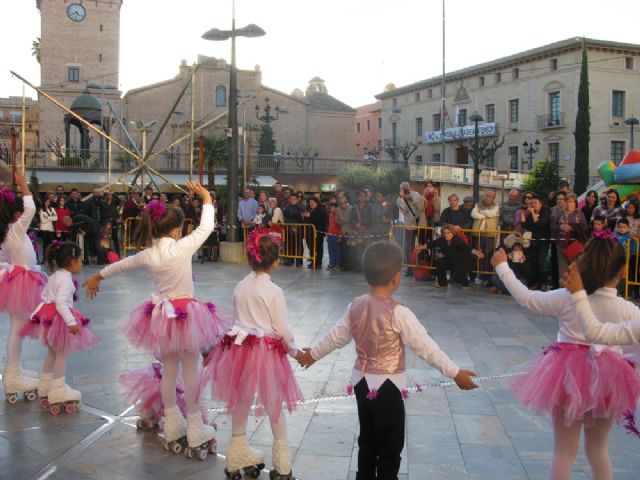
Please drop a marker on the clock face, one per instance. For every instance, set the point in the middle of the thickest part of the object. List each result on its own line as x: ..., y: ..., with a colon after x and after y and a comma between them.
x: 76, y: 12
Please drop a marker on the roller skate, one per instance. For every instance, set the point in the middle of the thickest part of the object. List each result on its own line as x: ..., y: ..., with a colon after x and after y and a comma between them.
x: 201, y: 438
x: 175, y: 430
x: 43, y: 389
x: 29, y: 373
x: 15, y: 383
x: 62, y: 397
x: 281, y: 461
x: 240, y: 456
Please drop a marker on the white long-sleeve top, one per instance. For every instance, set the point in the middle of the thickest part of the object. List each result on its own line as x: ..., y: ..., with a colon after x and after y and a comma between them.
x: 412, y: 333
x: 558, y: 303
x: 47, y: 217
x: 169, y: 260
x: 17, y: 248
x: 60, y: 290
x: 625, y: 331
x: 259, y: 308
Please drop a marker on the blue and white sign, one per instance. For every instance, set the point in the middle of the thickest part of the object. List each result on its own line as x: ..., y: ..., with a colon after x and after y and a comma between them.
x: 456, y: 133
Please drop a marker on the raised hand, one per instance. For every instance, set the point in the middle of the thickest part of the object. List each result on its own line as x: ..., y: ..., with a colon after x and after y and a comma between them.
x: 21, y: 181
x: 203, y: 193
x: 572, y: 280
x: 464, y: 381
x: 498, y: 257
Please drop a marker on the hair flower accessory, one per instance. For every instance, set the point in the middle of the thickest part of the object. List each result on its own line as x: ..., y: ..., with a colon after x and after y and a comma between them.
x: 630, y: 423
x: 373, y: 394
x: 8, y: 196
x: 604, y: 234
x: 157, y: 209
x: 253, y: 242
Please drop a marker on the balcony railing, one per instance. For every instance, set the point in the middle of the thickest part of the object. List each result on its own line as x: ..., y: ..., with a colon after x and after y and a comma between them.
x: 461, y: 174
x: 551, y: 120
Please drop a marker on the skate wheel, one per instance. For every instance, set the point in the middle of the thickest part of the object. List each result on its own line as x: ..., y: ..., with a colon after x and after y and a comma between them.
x: 31, y: 396
x: 69, y: 408
x: 140, y: 424
x: 213, y: 446
x: 44, y: 402
x: 12, y: 398
x: 176, y: 447
x: 166, y: 446
x: 253, y: 472
x: 55, y: 409
x: 272, y: 474
x: 188, y: 452
x: 235, y: 475
x: 202, y: 454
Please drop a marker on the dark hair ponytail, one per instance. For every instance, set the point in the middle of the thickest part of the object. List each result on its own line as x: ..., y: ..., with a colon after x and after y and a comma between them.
x: 151, y: 228
x: 7, y: 213
x: 61, y: 254
x: 600, y: 262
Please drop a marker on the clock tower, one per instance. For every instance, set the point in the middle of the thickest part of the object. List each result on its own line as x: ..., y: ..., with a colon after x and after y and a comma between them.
x: 79, y: 50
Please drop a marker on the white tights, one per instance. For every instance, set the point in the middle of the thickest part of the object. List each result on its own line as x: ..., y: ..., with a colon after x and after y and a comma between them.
x: 14, y: 341
x: 55, y: 362
x: 190, y: 375
x: 566, y: 440
x: 240, y: 417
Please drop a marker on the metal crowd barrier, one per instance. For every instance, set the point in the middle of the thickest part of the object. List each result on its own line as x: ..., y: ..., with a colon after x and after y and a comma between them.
x: 130, y: 229
x: 298, y: 241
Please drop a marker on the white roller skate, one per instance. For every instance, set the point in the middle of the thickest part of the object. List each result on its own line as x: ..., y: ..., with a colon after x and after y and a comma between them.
x: 240, y: 456
x: 43, y: 389
x: 281, y: 461
x: 201, y: 438
x: 15, y: 383
x: 175, y: 430
x: 62, y: 397
x: 29, y: 373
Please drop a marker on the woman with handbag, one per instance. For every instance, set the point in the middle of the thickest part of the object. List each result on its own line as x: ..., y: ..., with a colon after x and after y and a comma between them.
x: 571, y: 231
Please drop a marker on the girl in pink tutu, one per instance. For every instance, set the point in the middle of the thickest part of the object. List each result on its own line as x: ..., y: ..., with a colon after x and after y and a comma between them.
x: 60, y: 327
x: 251, y: 362
x: 173, y: 321
x: 20, y: 285
x: 582, y: 386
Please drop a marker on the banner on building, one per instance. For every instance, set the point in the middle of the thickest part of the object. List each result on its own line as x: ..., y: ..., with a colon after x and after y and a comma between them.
x: 457, y: 133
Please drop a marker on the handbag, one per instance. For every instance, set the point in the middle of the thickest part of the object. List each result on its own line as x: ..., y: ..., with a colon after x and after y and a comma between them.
x: 572, y: 250
x: 412, y: 212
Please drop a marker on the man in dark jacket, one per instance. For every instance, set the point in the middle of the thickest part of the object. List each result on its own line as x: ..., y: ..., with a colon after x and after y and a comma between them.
x: 537, y: 220
x: 317, y: 216
x: 292, y: 213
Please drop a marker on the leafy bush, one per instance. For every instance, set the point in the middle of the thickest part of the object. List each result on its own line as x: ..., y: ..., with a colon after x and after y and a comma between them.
x: 386, y: 179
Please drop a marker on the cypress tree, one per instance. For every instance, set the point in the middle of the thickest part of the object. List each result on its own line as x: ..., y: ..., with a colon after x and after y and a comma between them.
x: 582, y: 130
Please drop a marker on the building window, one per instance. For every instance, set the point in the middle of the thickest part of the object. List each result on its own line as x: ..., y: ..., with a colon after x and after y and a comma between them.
x: 617, y: 103
x: 481, y: 81
x: 368, y: 125
x: 436, y: 121
x: 554, y: 152
x: 15, y: 117
x: 617, y: 152
x: 73, y: 74
x: 462, y: 117
x: 394, y: 133
x: 516, y: 73
x: 357, y: 127
x: 419, y: 129
x: 498, y: 77
x: 417, y: 97
x: 514, y: 113
x: 418, y: 158
x: 380, y: 122
x: 100, y: 27
x: 435, y: 158
x: 490, y: 113
x: 628, y: 63
x: 430, y: 93
x: 394, y: 102
x: 100, y: 57
x: 554, y: 108
x: 513, y: 158
x: 554, y: 64
x: 221, y: 96
x: 490, y: 161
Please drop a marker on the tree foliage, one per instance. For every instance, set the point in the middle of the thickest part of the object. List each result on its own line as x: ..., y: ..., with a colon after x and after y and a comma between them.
x: 386, y: 180
x: 582, y: 131
x: 35, y: 49
x: 267, y: 142
x: 543, y: 179
x: 216, y: 154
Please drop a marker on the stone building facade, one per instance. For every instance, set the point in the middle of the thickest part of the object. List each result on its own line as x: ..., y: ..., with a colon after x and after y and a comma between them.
x: 528, y: 96
x: 11, y: 119
x: 369, y: 130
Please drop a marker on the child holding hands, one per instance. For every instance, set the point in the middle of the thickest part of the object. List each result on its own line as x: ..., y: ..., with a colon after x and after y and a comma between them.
x: 381, y: 328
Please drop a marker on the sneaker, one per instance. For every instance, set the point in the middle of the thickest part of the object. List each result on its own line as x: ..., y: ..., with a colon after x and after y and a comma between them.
x: 494, y: 290
x: 477, y: 281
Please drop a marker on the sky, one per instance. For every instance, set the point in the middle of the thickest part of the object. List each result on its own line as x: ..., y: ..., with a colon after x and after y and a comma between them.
x: 356, y: 46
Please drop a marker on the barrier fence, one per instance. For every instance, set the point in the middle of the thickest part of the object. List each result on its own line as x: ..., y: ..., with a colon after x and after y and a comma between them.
x: 130, y: 228
x: 299, y: 242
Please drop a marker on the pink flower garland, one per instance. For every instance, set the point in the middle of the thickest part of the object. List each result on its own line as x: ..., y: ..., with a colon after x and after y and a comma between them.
x: 157, y: 209
x: 253, y: 242
x: 604, y: 234
x: 8, y: 196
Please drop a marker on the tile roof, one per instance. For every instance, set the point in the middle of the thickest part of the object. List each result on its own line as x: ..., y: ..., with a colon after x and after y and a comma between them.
x: 325, y: 102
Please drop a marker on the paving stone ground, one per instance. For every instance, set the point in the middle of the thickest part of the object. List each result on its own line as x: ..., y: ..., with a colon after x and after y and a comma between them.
x: 451, y: 434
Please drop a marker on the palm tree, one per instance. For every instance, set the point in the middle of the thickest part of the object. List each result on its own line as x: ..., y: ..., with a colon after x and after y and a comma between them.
x: 35, y: 49
x: 216, y: 154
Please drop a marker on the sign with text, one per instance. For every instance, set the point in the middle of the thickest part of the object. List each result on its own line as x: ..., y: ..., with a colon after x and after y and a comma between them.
x: 456, y: 133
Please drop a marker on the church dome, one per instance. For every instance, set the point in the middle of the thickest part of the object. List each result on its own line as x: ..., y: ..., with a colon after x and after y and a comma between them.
x: 86, y: 103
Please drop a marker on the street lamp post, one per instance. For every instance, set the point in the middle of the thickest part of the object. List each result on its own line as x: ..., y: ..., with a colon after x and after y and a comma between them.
x: 475, y: 118
x: 631, y: 121
x: 215, y: 34
x: 503, y: 176
x: 530, y: 149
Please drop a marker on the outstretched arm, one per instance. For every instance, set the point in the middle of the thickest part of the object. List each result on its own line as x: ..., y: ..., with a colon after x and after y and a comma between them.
x: 192, y: 242
x: 337, y: 337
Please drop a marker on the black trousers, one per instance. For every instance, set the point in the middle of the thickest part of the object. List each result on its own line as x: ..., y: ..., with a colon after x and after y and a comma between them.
x: 459, y: 271
x: 537, y: 256
x: 381, y: 431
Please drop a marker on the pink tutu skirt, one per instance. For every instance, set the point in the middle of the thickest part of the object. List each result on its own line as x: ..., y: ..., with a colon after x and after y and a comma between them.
x: 48, y: 326
x: 257, y: 368
x: 180, y: 325
x: 143, y: 390
x: 572, y: 382
x: 20, y: 290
